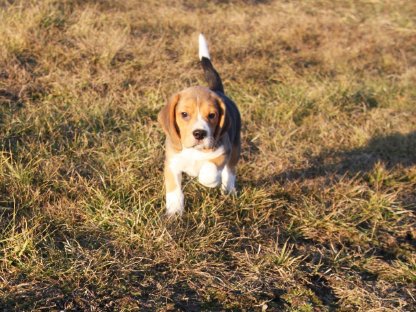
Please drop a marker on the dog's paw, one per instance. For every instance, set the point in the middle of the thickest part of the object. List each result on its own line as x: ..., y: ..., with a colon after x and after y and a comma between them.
x: 228, y: 191
x: 174, y: 202
x: 209, y: 175
x: 228, y: 182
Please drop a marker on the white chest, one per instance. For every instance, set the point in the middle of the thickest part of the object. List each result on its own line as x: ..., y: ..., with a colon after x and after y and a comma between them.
x: 191, y: 160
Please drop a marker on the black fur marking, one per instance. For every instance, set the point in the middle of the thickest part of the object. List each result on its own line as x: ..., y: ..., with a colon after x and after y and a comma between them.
x: 211, y: 75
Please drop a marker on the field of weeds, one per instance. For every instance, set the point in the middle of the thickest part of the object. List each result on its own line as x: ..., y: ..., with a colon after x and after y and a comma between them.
x: 325, y: 215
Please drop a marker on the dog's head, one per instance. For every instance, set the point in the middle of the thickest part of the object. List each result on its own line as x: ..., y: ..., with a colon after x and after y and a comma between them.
x: 194, y: 118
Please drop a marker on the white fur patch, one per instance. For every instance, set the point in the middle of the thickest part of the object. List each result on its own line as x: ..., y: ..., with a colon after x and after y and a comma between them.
x: 203, y: 47
x: 228, y: 181
x: 209, y: 175
x: 190, y: 160
x: 201, y: 124
x: 174, y: 202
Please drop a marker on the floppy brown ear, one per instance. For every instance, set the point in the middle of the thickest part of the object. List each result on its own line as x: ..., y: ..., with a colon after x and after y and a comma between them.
x: 223, y: 120
x: 166, y: 118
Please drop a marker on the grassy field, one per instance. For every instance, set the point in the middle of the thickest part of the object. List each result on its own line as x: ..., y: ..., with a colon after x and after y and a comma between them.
x: 325, y: 215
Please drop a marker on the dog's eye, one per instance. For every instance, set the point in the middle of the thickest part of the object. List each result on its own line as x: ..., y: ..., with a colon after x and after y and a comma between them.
x: 211, y: 116
x: 184, y: 115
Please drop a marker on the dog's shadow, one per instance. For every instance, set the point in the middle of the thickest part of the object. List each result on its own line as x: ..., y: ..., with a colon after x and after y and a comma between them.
x: 391, y: 151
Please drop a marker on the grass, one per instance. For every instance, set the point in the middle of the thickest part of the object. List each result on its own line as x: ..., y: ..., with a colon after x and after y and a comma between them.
x: 325, y: 216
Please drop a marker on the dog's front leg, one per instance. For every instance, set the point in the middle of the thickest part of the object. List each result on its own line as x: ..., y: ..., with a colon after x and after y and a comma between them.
x: 210, y: 172
x: 228, y: 180
x: 174, y: 195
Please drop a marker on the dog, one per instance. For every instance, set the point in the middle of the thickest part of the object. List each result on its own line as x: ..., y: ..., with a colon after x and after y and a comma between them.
x: 202, y: 127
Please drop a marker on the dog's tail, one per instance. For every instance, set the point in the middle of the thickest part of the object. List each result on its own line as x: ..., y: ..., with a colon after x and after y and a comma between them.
x: 211, y: 75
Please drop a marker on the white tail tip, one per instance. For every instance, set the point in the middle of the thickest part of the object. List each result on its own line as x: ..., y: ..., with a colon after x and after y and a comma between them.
x: 203, y: 47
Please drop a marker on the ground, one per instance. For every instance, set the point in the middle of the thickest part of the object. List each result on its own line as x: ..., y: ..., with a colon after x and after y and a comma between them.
x: 324, y: 219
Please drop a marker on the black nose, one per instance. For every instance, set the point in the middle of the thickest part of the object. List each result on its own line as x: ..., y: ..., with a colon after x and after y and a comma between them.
x: 199, y: 134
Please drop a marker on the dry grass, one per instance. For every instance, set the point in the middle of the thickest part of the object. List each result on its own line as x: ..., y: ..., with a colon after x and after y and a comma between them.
x: 325, y: 218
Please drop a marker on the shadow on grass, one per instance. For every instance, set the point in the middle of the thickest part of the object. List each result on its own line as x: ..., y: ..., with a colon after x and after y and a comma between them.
x: 393, y: 150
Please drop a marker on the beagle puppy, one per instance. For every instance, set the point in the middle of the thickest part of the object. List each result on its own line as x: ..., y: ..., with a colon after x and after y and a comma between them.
x: 202, y: 128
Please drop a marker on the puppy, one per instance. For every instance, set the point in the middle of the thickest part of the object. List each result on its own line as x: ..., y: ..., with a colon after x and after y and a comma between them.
x: 202, y: 128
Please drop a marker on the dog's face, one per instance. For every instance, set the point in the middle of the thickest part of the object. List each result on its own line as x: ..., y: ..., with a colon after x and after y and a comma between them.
x: 194, y: 118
